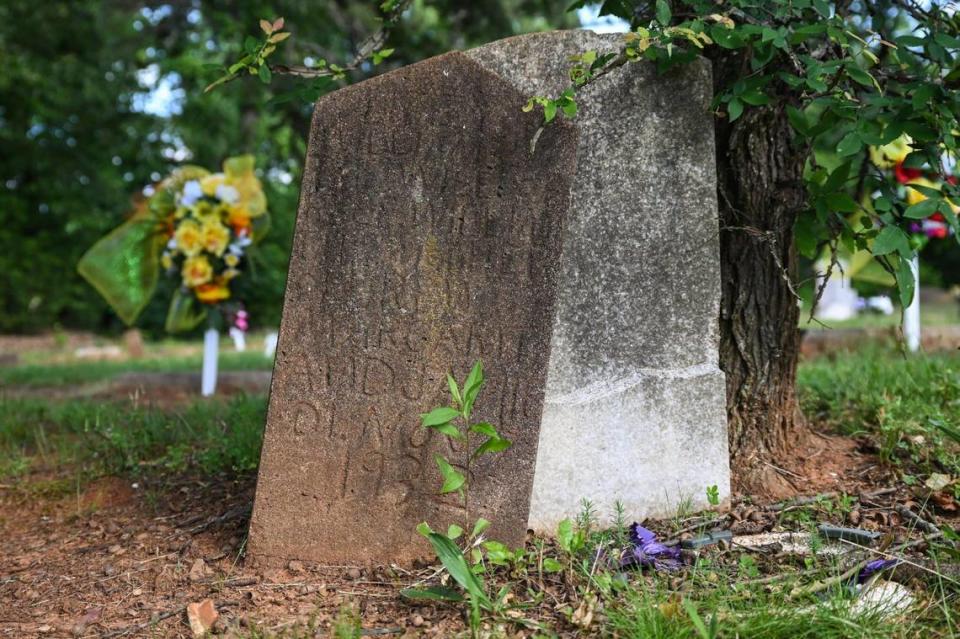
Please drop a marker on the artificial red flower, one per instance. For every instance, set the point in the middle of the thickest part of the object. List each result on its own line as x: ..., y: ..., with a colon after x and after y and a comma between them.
x: 905, y: 175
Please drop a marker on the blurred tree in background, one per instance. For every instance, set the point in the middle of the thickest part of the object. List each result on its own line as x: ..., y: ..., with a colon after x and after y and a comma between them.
x: 102, y: 98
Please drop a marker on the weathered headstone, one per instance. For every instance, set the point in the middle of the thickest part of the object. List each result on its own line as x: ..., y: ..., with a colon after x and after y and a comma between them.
x: 428, y: 235
x: 635, y: 407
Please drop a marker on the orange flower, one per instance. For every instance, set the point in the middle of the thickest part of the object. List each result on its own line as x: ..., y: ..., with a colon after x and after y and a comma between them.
x: 213, y: 292
x: 239, y: 218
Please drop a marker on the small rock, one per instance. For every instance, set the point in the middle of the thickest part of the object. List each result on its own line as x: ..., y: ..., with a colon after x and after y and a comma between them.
x: 295, y: 566
x: 201, y: 617
x: 109, y: 570
x: 354, y: 573
x: 137, y: 592
x: 417, y: 620
x: 45, y: 629
x: 882, y: 598
x: 199, y: 570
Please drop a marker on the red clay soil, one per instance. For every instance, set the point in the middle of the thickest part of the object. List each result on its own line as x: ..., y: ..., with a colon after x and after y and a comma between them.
x: 122, y: 560
x: 116, y: 559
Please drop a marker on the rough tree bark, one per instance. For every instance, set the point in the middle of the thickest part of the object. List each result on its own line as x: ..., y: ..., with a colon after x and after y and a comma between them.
x: 761, y: 193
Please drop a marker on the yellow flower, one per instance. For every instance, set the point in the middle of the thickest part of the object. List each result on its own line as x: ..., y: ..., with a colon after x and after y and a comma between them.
x: 914, y: 196
x: 203, y: 209
x: 891, y: 154
x: 215, y: 236
x: 239, y: 217
x: 223, y: 212
x: 196, y: 271
x: 231, y: 260
x: 230, y: 273
x: 188, y: 238
x: 166, y: 261
x: 180, y: 212
x: 210, y: 183
x: 213, y: 292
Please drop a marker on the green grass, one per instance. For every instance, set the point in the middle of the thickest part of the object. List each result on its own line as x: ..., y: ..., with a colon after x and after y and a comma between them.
x: 207, y: 436
x: 896, y: 399
x: 80, y: 372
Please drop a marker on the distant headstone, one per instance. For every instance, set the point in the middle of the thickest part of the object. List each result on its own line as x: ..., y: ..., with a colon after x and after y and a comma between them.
x: 133, y: 341
x: 635, y: 401
x: 428, y: 235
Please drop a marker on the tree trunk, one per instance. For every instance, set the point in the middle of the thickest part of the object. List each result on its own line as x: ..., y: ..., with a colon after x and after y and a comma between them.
x: 761, y: 192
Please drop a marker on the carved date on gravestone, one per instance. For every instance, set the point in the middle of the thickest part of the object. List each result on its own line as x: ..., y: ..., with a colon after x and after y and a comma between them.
x: 428, y: 235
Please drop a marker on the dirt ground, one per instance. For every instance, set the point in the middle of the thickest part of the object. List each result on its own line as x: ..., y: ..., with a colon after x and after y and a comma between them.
x: 119, y: 559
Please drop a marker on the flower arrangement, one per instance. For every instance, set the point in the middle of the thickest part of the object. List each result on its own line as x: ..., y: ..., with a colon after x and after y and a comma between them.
x: 199, y: 228
x: 914, y: 182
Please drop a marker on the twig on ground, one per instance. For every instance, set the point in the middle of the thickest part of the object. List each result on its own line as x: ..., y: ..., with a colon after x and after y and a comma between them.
x: 920, y: 522
x: 143, y: 626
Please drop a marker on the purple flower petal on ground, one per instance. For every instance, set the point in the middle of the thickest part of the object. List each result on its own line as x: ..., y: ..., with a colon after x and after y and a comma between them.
x: 640, y: 535
x: 875, y: 566
x: 647, y: 551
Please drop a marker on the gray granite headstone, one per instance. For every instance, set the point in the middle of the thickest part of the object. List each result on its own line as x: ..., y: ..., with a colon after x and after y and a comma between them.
x: 635, y: 401
x: 428, y: 235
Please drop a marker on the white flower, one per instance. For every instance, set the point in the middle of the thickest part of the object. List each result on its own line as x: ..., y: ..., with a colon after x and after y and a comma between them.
x: 227, y: 193
x: 192, y: 191
x: 172, y: 244
x: 244, y: 240
x: 236, y: 249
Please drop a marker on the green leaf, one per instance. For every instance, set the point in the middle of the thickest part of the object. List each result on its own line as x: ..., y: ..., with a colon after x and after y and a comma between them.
x: 922, y: 210
x: 439, y: 415
x: 492, y: 445
x: 850, y: 144
x: 837, y: 178
x: 456, y: 564
x: 905, y: 282
x: 861, y: 76
x: 841, y: 202
x: 472, y: 386
x: 663, y: 12
x: 264, y: 73
x: 565, y: 535
x: 481, y: 525
x: 822, y: 7
x: 454, y: 390
x: 726, y: 38
x: 483, y: 428
x: 552, y: 565
x: 734, y: 109
x: 448, y: 429
x: 798, y: 120
x: 453, y: 480
x: 756, y: 97
x: 549, y: 111
x: 424, y: 529
x: 891, y: 239
x: 454, y: 531
x: 435, y: 593
x: 498, y: 553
